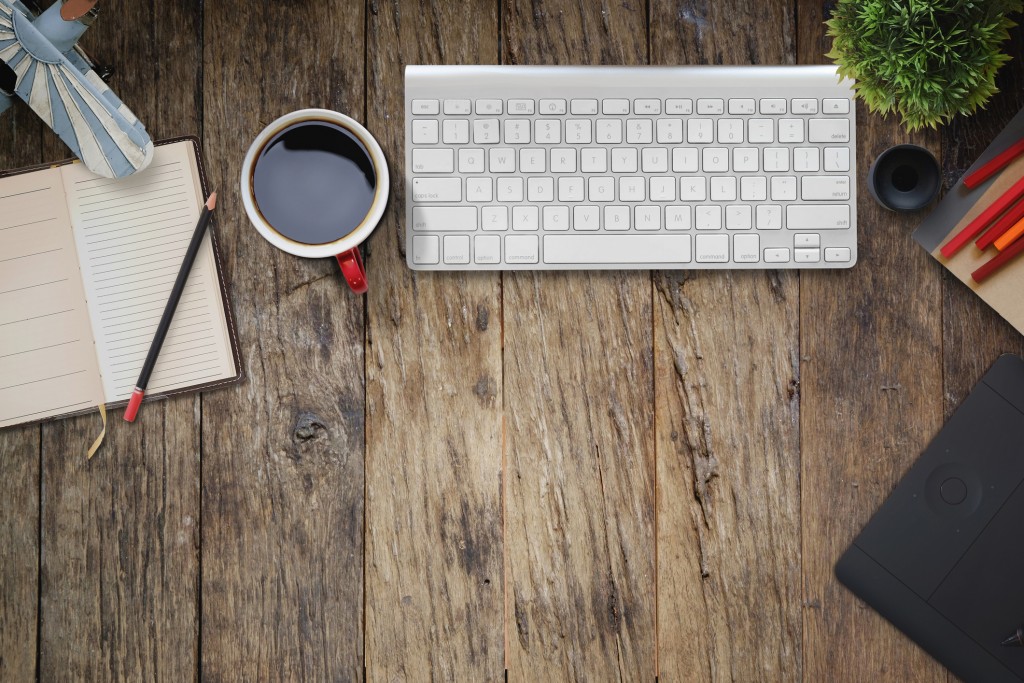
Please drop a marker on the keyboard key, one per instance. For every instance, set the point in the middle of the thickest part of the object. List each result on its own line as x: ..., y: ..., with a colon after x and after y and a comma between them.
x: 611, y: 107
x: 443, y: 218
x: 517, y: 131
x: 525, y: 218
x: 710, y: 106
x: 555, y: 218
x: 715, y: 160
x: 563, y: 160
x: 744, y: 159
x: 746, y: 248
x: 510, y: 189
x: 693, y: 189
x: 834, y: 106
x: 647, y: 217
x: 609, y: 131
x: 601, y: 189
x: 602, y: 249
x: 741, y: 106
x: 639, y: 131
x: 458, y: 107
x: 807, y: 240
x: 436, y: 189
x: 772, y: 106
x: 578, y: 131
x: 684, y: 160
x: 532, y: 160
x: 455, y: 131
x: 479, y: 189
x: 632, y: 188
x: 806, y: 255
x: 805, y: 159
x: 768, y: 217
x: 760, y: 130
x: 776, y: 255
x: 730, y: 131
x: 753, y: 188
x: 521, y: 249
x: 583, y: 107
x: 425, y: 107
x: 825, y: 187
x: 485, y: 132
x: 791, y: 130
x: 456, y: 249
x: 738, y: 217
x: 712, y: 248
x: 570, y: 190
x: 818, y: 217
x: 585, y: 218
x: 520, y: 107
x: 837, y: 255
x: 593, y: 160
x: 548, y: 131
x: 805, y: 106
x: 679, y: 106
x: 426, y: 249
x: 487, y: 249
x: 654, y: 160
x: 616, y: 218
x: 783, y: 188
x: 723, y: 189
x: 502, y: 160
x: 494, y: 218
x: 651, y: 107
x: 837, y: 159
x: 471, y: 161
x: 662, y: 189
x: 669, y: 131
x: 709, y: 217
x: 828, y: 130
x: 424, y: 132
x: 678, y: 218
x: 624, y: 160
x: 700, y: 130
x: 540, y: 189
x: 776, y: 159
x: 433, y: 160
x: 488, y: 107
x: 552, y: 107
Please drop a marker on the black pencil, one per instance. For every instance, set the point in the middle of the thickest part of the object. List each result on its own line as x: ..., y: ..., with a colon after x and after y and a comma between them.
x: 172, y: 304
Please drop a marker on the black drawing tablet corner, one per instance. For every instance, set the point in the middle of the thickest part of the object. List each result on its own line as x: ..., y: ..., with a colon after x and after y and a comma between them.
x: 943, y: 558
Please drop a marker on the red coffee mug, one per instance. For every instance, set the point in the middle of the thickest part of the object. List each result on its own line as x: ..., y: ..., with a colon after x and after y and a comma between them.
x: 344, y: 249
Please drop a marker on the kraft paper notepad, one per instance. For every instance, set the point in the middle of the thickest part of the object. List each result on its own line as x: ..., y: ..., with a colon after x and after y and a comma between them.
x: 86, y: 267
x: 1003, y: 291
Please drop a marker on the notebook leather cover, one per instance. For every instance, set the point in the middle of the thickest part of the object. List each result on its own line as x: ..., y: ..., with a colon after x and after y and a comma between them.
x: 943, y: 558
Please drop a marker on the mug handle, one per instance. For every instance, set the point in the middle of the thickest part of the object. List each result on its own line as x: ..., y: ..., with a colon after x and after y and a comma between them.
x: 352, y: 268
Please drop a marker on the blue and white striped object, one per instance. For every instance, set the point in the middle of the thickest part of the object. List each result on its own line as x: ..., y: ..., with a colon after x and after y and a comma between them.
x: 80, y: 108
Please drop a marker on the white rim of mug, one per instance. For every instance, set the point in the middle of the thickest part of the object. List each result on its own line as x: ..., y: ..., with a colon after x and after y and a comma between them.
x: 373, y: 215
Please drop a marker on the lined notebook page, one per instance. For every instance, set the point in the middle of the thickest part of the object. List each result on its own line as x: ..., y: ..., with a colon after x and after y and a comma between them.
x: 47, y: 359
x: 132, y: 235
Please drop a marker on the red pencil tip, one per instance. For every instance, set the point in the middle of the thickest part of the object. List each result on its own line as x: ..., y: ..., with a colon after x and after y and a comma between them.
x: 133, y: 405
x: 211, y: 203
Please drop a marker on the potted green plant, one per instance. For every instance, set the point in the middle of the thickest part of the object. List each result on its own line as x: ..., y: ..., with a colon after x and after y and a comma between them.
x: 926, y: 60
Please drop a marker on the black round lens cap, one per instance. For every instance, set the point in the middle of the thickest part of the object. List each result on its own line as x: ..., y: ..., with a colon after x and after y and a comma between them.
x: 904, y: 178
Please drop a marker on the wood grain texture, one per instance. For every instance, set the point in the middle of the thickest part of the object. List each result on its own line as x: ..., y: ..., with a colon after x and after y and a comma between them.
x: 578, y: 413
x: 973, y: 335
x: 21, y: 135
x: 120, y: 556
x: 871, y: 384
x: 727, y: 378
x: 434, y: 574
x: 283, y: 453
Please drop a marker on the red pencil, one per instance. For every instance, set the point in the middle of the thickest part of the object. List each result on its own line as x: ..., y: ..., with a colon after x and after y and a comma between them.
x: 997, y: 164
x: 975, y: 227
x: 1007, y: 221
x: 997, y: 262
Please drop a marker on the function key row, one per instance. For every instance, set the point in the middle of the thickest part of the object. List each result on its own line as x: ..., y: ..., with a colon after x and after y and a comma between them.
x: 584, y: 107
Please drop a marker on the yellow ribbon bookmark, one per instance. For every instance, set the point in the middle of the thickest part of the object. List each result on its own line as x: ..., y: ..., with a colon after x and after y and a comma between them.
x: 99, y: 439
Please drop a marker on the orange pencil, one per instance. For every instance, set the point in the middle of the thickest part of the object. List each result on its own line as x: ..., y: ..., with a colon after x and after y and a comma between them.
x: 1011, y: 235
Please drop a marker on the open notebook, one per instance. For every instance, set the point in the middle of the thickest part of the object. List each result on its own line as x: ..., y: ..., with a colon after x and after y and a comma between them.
x: 86, y: 267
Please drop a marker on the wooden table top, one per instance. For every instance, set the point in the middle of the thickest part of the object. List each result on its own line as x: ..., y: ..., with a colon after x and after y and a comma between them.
x: 568, y: 476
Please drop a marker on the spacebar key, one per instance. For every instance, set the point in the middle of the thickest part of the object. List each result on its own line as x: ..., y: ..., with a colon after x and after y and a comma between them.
x: 617, y: 249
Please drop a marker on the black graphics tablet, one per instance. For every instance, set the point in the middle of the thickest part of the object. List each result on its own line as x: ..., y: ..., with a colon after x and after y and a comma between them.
x: 943, y: 558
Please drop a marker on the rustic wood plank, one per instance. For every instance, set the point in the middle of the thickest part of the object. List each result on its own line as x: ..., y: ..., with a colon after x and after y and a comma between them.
x: 283, y: 454
x: 434, y: 573
x: 578, y: 410
x: 973, y: 334
x: 726, y: 347
x: 20, y: 145
x: 871, y: 384
x: 120, y: 557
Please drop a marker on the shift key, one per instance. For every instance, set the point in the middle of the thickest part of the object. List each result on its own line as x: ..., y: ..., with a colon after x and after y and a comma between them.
x: 444, y: 218
x: 818, y: 217
x: 437, y: 189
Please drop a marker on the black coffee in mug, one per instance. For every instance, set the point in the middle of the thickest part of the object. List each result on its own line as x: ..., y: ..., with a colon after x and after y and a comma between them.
x: 314, y: 182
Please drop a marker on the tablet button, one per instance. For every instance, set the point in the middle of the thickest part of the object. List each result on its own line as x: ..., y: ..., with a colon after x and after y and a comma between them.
x: 953, y: 490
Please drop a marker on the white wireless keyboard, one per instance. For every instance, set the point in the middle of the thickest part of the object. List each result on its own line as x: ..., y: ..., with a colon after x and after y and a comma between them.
x: 554, y: 168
